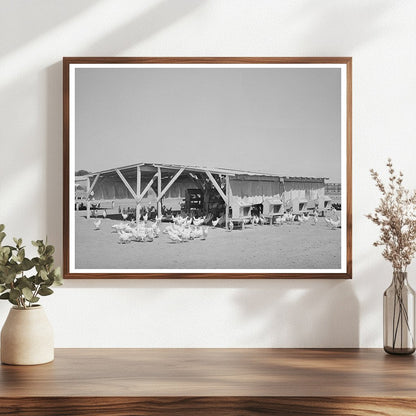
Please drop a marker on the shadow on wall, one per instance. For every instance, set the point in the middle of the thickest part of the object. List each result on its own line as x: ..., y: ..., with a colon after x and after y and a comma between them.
x: 300, y: 313
x: 156, y: 18
x: 311, y: 313
x: 348, y: 24
x: 142, y: 27
x: 37, y: 17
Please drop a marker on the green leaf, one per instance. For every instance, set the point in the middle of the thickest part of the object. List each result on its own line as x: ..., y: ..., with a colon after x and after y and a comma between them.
x: 15, y: 294
x: 4, y: 255
x: 24, y: 282
x: 27, y: 293
x: 16, y: 241
x: 9, y: 277
x: 45, y: 291
x: 58, y: 280
x: 2, y: 288
x: 5, y: 295
x: 26, y: 264
x: 2, y: 227
x: 49, y: 250
x: 13, y: 302
x: 37, y: 243
x: 21, y: 255
x: 43, y: 274
x: 2, y: 236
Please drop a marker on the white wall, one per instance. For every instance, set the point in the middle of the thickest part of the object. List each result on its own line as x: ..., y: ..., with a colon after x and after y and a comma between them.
x: 380, y: 35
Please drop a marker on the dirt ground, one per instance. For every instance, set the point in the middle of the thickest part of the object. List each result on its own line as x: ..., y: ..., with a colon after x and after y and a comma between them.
x: 290, y: 246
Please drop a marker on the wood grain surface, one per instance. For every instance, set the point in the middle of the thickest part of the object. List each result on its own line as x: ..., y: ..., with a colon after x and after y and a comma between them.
x: 212, y: 381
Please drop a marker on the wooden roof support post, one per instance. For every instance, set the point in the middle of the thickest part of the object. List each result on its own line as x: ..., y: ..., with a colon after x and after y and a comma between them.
x: 90, y: 188
x: 171, y: 182
x: 227, y: 203
x: 159, y: 192
x: 216, y: 186
x: 138, y: 186
x: 124, y: 180
x: 88, y: 198
x: 146, y: 188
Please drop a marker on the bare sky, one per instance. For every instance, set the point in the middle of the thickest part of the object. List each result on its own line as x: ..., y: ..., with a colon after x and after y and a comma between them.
x: 285, y: 121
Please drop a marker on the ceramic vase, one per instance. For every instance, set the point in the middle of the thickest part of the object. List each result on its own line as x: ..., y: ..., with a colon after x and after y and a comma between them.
x: 27, y: 337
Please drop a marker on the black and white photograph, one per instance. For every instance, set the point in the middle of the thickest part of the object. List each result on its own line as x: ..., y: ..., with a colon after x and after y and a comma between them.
x: 218, y: 168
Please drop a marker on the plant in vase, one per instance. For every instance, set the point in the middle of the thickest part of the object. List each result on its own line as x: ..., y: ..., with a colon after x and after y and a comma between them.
x: 27, y: 336
x: 396, y: 217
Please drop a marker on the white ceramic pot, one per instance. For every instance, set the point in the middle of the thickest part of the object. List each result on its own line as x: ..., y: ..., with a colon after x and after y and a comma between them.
x: 27, y: 337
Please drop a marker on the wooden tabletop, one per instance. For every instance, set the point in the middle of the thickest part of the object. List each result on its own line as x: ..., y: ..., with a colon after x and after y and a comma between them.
x: 266, y: 377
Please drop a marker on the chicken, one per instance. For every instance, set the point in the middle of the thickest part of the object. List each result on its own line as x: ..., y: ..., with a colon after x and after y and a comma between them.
x: 97, y: 224
x: 196, y: 232
x: 199, y: 221
x: 188, y: 221
x: 175, y: 237
x: 279, y: 221
x: 138, y: 235
x: 104, y: 214
x: 186, y: 234
x: 156, y: 229
x: 118, y: 227
x: 124, y: 237
x: 124, y: 215
x: 335, y: 223
x: 215, y: 222
x: 149, y: 234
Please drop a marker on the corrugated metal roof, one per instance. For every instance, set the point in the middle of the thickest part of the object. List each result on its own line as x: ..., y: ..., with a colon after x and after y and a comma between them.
x: 220, y: 171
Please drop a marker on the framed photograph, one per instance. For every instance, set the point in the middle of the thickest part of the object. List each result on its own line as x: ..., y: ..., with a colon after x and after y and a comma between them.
x: 207, y: 167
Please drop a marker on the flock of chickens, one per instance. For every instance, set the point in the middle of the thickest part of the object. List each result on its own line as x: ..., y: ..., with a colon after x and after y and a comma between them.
x: 180, y: 230
x: 187, y: 229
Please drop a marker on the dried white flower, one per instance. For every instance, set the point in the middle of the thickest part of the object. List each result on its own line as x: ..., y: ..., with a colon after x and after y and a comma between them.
x: 396, y: 217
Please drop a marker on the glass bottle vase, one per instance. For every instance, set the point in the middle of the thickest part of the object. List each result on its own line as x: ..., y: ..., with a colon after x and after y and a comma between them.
x: 399, y: 316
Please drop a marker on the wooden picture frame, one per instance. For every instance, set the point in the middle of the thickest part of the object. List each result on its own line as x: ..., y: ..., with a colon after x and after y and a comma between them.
x: 98, y: 123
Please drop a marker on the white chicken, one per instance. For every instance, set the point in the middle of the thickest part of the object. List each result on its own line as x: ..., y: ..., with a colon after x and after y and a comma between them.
x: 118, y: 227
x: 97, y: 224
x: 215, y: 222
x: 105, y: 214
x: 174, y: 237
x: 335, y: 223
x: 199, y: 221
x: 279, y: 221
x: 124, y: 237
x: 124, y: 215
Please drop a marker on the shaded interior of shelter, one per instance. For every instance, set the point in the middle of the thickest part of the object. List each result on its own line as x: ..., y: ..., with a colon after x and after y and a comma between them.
x: 163, y: 189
